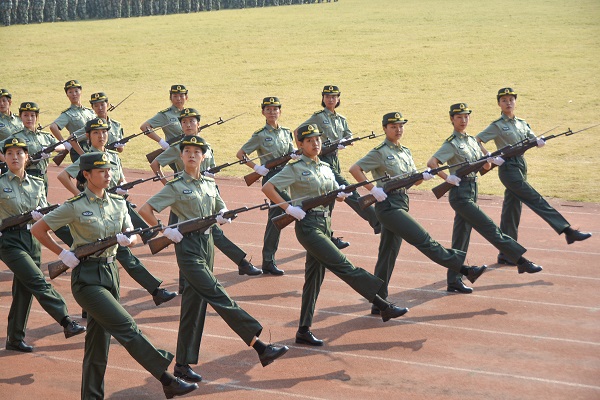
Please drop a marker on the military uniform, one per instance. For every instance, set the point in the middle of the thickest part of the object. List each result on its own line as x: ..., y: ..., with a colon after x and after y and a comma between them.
x: 95, y: 287
x: 50, y: 11
x: 271, y: 143
x: 164, y: 117
x: 73, y: 119
x: 62, y: 10
x: 9, y: 124
x: 306, y: 177
x: 397, y: 223
x: 37, y: 11
x: 22, y: 11
x: 5, y: 12
x: 463, y: 199
x: 22, y: 254
x: 115, y: 132
x: 513, y: 174
x: 36, y: 141
x: 192, y: 198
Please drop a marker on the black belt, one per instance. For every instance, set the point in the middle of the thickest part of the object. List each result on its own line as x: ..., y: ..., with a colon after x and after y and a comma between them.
x: 318, y: 213
x: 18, y: 228
x: 468, y: 179
x: 397, y: 192
x: 100, y: 260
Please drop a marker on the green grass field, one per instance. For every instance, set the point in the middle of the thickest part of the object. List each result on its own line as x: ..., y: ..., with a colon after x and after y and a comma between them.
x: 413, y: 56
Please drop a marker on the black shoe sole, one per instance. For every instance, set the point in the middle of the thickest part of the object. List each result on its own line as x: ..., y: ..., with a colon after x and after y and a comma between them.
x: 279, y: 355
x: 71, y: 334
x: 308, y: 342
x: 457, y: 290
x: 254, y: 273
x: 268, y: 271
x: 17, y: 348
x: 187, y: 378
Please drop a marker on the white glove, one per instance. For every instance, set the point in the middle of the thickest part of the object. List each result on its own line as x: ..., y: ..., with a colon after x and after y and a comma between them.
x: 122, y: 192
x: 173, y: 235
x: 119, y: 145
x: 295, y: 156
x: 295, y: 212
x: 496, y: 160
x: 208, y: 174
x: 43, y: 155
x: 68, y: 258
x: 343, y: 195
x: 220, y: 219
x: 453, y: 180
x: 261, y: 170
x: 36, y: 215
x: 68, y: 146
x: 378, y: 193
x: 341, y: 144
x: 123, y: 240
x: 541, y: 142
x: 163, y: 144
x: 427, y: 176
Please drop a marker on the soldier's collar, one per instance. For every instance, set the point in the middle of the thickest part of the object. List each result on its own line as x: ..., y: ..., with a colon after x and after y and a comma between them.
x: 329, y: 112
x: 506, y: 118
x: 12, y: 176
x: 270, y: 128
x: 188, y: 178
x: 460, y: 135
x: 392, y: 144
x: 93, y: 198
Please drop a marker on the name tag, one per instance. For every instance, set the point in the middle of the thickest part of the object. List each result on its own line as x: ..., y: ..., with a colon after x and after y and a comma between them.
x: 173, y: 119
x: 8, y: 190
x: 187, y: 191
x: 87, y: 213
x: 505, y: 128
x: 306, y: 173
x: 268, y: 139
x: 390, y: 157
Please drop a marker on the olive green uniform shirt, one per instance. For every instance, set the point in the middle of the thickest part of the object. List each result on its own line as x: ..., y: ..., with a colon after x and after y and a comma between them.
x: 173, y: 156
x: 306, y: 177
x: 506, y: 131
x: 19, y: 196
x: 395, y: 160
x: 163, y: 117
x: 91, y: 218
x: 270, y: 143
x: 115, y: 166
x: 188, y: 197
x: 459, y: 148
x: 9, y: 124
x: 74, y: 118
x: 333, y: 125
x: 36, y: 141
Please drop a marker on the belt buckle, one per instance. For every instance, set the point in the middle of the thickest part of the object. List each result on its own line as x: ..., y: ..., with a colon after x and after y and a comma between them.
x: 110, y: 259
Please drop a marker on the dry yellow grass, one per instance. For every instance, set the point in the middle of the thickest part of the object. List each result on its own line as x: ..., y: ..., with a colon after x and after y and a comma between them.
x: 412, y: 56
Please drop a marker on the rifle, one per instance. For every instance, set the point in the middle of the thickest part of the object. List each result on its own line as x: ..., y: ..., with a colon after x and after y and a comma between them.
x: 405, y: 182
x: 218, y: 168
x: 276, y: 162
x: 129, y: 185
x: 126, y: 139
x: 20, y: 219
x: 329, y: 146
x: 151, y: 156
x: 198, y: 224
x: 57, y: 158
x: 111, y: 107
x: 40, y: 127
x: 283, y: 220
x: 94, y: 249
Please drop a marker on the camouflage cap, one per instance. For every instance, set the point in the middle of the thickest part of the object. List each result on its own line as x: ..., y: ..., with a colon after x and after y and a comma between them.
x: 178, y: 89
x: 331, y: 89
x: 14, y: 142
x: 506, y: 92
x: 5, y: 92
x: 306, y: 131
x: 189, y: 112
x: 29, y: 106
x: 96, y: 123
x: 270, y: 101
x: 393, y: 118
x: 459, y: 108
x: 94, y: 160
x: 72, y: 84
x: 98, y: 97
x: 192, y: 140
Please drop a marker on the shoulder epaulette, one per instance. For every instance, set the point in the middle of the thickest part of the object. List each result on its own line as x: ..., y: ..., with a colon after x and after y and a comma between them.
x: 116, y: 196
x: 165, y: 110
x: 380, y: 145
x: 35, y: 178
x: 497, y: 120
x: 79, y: 196
x: 340, y: 116
x: 65, y: 110
x: 2, y: 175
x: 174, y: 180
x: 258, y: 131
x: 449, y: 139
x: 112, y: 151
x: 285, y: 127
x: 319, y: 112
x: 292, y: 162
x: 115, y: 121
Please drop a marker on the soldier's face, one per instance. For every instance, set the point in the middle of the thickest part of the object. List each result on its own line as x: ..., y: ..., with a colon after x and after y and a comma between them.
x: 189, y: 125
x: 460, y: 122
x: 98, y: 138
x: 311, y: 146
x: 74, y: 95
x: 507, y: 104
x: 5, y: 103
x: 192, y: 156
x: 394, y: 132
x: 29, y: 119
x: 271, y: 113
x: 101, y: 109
x: 330, y: 100
x: 15, y: 158
x: 99, y: 177
x: 179, y: 99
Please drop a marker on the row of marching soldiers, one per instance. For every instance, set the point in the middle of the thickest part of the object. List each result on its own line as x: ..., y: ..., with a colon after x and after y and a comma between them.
x: 297, y: 174
x: 38, y: 11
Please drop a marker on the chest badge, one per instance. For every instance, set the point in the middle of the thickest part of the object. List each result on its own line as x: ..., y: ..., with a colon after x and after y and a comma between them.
x: 268, y: 139
x: 306, y: 173
x: 462, y: 146
x: 173, y: 119
x: 390, y: 157
x: 87, y: 213
x: 8, y: 190
x: 505, y: 128
x: 187, y: 191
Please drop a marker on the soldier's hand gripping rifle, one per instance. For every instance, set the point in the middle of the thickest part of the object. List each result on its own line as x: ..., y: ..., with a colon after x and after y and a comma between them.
x: 276, y: 162
x: 151, y: 156
x: 198, y: 224
x: 36, y: 157
x: 113, y: 145
x: 94, y: 249
x: 21, y: 219
x: 402, y: 182
x: 331, y: 146
x: 283, y: 220
x: 111, y: 107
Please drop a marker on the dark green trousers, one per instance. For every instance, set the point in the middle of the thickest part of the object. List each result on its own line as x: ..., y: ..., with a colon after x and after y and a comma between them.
x: 368, y: 214
x: 195, y: 255
x: 314, y: 234
x: 95, y: 286
x: 463, y: 199
x: 398, y: 224
x: 272, y: 234
x: 513, y: 175
x: 21, y: 254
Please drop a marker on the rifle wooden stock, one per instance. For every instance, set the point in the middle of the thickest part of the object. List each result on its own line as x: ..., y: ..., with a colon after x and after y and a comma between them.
x: 58, y: 159
x: 20, y: 219
x: 474, y: 166
x: 276, y: 162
